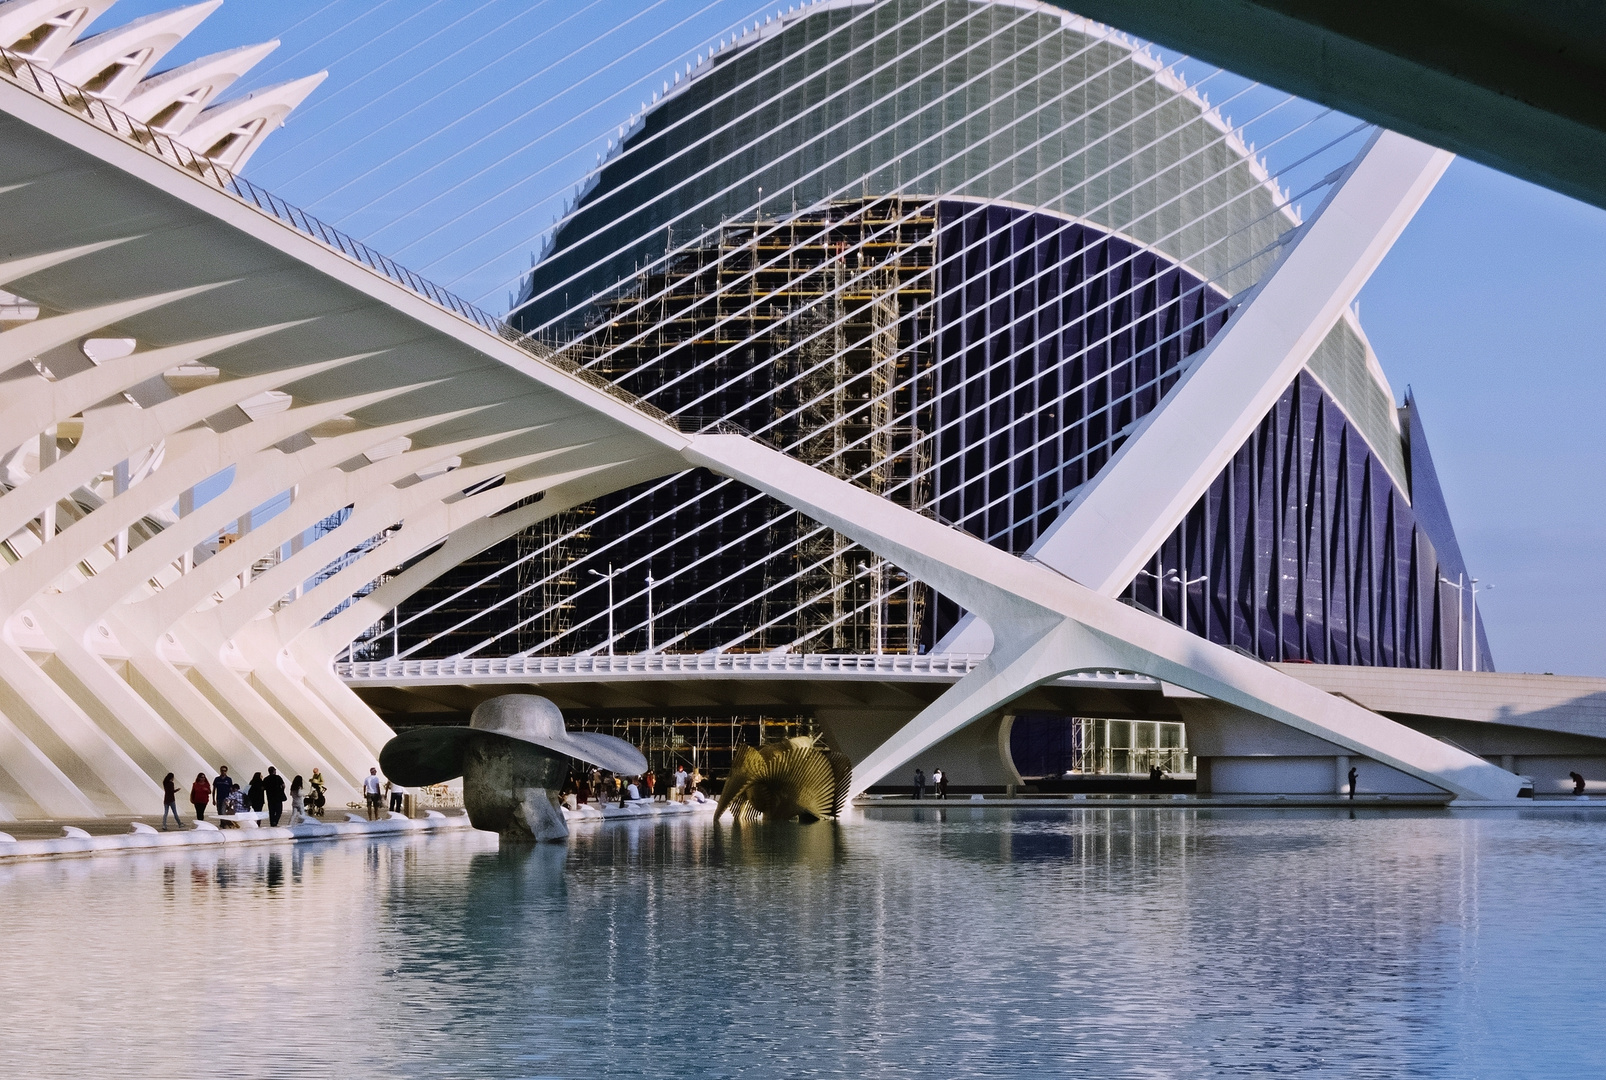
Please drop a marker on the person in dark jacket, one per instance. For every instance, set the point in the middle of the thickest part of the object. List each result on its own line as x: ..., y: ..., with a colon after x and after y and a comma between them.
x: 222, y: 784
x: 920, y: 783
x: 273, y: 787
x: 256, y: 793
x: 200, y: 795
x: 170, y: 801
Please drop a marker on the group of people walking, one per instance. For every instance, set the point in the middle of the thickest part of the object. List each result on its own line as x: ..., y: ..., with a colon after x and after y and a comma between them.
x: 607, y: 788
x: 938, y: 783
x: 374, y: 792
x: 230, y: 798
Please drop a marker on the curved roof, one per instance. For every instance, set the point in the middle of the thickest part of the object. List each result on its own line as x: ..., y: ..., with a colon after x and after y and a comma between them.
x: 1018, y: 102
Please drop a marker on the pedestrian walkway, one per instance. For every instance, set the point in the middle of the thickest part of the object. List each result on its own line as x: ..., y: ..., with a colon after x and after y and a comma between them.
x: 62, y: 839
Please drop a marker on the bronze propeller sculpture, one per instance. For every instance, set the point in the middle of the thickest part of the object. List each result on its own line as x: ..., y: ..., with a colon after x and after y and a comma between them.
x: 797, y: 778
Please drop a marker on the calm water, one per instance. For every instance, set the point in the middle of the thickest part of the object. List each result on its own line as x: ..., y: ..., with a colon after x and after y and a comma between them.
x: 921, y: 943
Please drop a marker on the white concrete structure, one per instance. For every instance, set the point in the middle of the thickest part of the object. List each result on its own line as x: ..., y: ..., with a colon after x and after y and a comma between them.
x: 182, y: 365
x: 114, y: 66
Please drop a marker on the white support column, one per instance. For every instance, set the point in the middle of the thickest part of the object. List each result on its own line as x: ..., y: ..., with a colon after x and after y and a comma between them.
x: 47, y: 458
x: 119, y: 487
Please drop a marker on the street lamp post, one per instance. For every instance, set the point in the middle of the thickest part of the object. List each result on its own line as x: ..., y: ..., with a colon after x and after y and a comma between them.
x: 609, y: 576
x: 1459, y: 586
x: 1159, y: 590
x: 649, y: 612
x: 1187, y: 584
x: 1486, y: 588
x: 1184, y: 583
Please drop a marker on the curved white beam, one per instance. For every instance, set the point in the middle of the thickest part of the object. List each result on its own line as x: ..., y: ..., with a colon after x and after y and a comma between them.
x: 231, y: 132
x: 109, y: 64
x: 42, y: 30
x: 171, y: 101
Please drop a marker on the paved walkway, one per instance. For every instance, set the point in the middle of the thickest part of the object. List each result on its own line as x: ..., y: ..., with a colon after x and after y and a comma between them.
x: 54, y: 839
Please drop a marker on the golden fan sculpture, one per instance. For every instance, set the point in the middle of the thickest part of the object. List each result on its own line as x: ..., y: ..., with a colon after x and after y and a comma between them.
x: 797, y: 778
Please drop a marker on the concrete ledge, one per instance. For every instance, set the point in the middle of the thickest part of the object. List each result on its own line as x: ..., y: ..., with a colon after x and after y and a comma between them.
x: 595, y: 813
x: 1205, y: 802
x: 1171, y: 802
x: 210, y: 836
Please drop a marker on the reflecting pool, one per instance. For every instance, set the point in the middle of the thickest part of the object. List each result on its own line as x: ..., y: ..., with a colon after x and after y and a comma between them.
x: 934, y: 943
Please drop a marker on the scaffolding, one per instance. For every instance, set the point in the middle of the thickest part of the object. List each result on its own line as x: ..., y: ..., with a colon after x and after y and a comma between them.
x: 814, y: 330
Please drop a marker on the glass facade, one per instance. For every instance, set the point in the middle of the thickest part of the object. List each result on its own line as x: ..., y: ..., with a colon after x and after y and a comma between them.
x: 1306, y: 548
x: 953, y: 253
x: 1049, y: 746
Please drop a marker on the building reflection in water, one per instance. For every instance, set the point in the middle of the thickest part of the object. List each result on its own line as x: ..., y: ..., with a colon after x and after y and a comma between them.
x: 939, y: 940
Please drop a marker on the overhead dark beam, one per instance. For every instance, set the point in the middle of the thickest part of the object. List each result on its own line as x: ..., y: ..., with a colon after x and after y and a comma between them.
x: 1519, y: 85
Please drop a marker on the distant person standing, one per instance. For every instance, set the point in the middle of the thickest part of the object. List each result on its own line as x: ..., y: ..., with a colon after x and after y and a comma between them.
x: 920, y: 783
x: 316, y: 799
x: 256, y: 793
x: 273, y: 788
x: 939, y: 781
x: 200, y: 795
x: 298, y: 803
x: 371, y: 787
x: 1578, y: 783
x: 1354, y: 774
x: 222, y: 785
x: 397, y: 794
x: 170, y: 802
x: 680, y: 783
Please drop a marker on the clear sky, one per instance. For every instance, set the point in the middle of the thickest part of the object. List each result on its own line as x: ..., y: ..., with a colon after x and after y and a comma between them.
x: 1490, y: 308
x: 449, y: 133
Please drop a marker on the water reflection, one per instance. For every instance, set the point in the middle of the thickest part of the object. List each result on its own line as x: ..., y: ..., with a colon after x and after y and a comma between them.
x: 923, y: 942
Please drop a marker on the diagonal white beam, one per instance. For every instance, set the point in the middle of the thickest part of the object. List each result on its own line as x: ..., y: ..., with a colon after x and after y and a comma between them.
x: 41, y: 335
x: 1030, y: 604
x: 33, y: 406
x: 17, y: 269
x: 1170, y: 459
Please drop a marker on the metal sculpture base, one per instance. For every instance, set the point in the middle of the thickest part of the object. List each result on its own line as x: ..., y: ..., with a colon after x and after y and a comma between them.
x: 510, y: 788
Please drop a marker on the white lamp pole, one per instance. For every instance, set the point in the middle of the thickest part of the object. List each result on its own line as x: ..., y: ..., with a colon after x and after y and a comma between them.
x: 1460, y: 618
x: 649, y: 612
x: 1159, y: 590
x: 1187, y: 584
x: 1486, y: 588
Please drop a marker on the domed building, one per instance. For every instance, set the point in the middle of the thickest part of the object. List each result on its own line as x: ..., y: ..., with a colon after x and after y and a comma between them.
x: 954, y: 252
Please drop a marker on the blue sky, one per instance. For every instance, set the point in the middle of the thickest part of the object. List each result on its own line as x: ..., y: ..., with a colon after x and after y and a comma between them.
x: 450, y: 131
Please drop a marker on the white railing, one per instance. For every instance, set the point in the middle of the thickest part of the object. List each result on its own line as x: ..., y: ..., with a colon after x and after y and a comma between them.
x: 581, y: 668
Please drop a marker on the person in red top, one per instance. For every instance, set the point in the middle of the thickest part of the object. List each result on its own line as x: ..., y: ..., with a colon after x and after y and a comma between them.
x: 200, y: 795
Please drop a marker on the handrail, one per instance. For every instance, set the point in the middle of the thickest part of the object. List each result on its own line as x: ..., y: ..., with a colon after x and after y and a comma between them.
x: 524, y: 667
x: 41, y: 82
